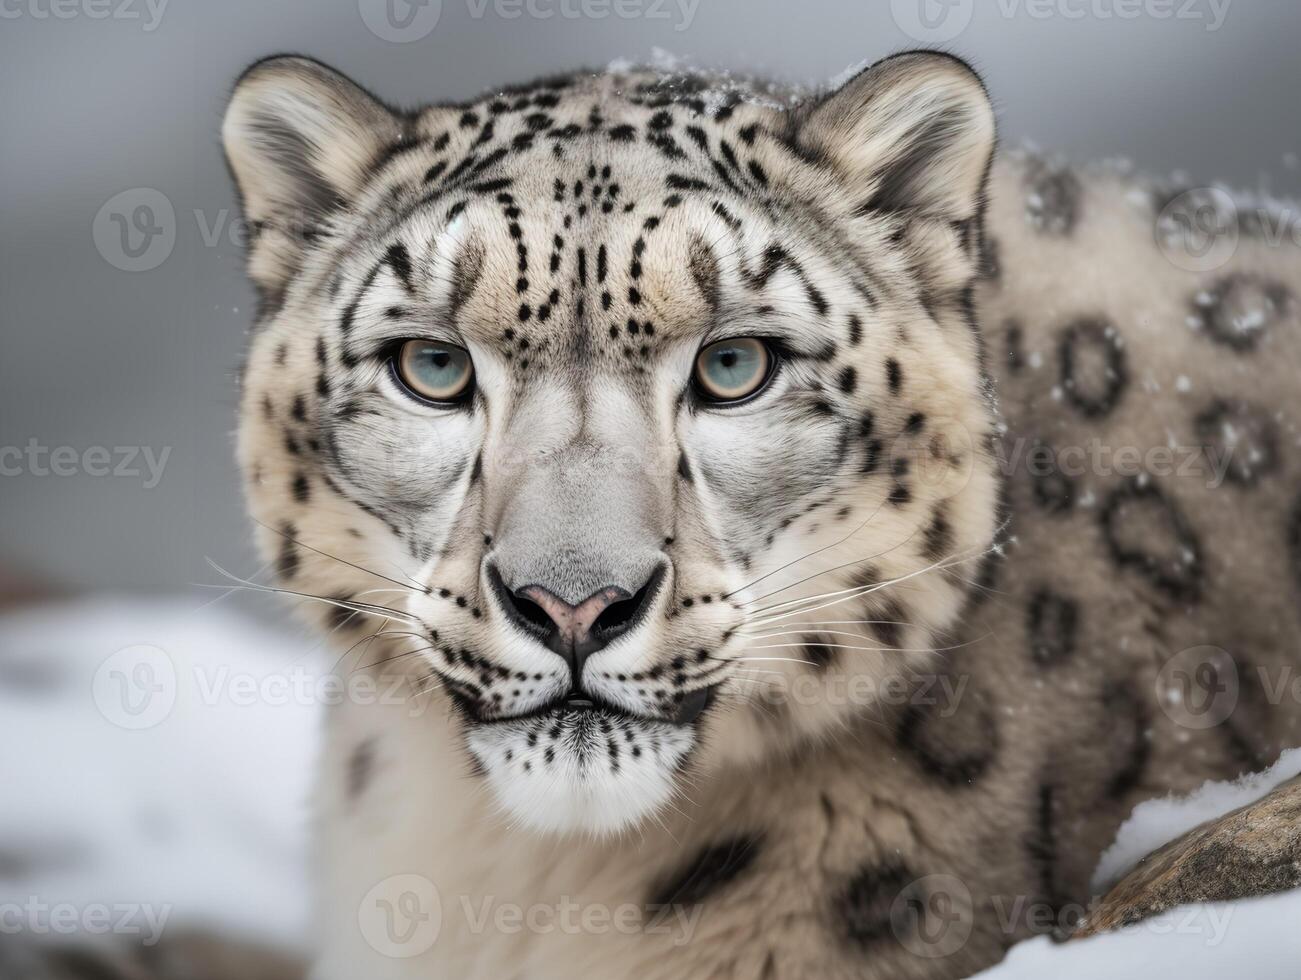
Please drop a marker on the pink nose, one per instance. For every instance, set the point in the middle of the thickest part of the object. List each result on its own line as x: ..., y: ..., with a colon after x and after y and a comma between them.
x: 573, y: 624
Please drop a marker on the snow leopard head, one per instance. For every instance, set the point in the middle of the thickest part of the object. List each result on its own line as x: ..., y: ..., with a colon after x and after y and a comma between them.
x: 620, y: 408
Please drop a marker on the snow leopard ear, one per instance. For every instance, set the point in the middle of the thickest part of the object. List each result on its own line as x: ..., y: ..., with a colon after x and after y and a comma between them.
x: 913, y: 134
x: 300, y: 138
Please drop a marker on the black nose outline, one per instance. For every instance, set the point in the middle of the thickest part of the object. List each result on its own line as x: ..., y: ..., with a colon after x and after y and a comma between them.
x: 620, y: 615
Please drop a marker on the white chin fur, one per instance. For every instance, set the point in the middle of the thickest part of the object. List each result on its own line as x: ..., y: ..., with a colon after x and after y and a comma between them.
x: 580, y: 773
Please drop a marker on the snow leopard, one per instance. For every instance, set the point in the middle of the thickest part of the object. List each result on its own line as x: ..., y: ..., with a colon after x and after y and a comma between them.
x: 763, y: 533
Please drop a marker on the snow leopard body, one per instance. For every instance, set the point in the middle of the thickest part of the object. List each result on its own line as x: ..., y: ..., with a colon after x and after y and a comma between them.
x: 1009, y: 542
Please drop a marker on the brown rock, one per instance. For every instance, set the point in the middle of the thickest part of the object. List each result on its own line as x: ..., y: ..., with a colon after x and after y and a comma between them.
x: 1255, y: 850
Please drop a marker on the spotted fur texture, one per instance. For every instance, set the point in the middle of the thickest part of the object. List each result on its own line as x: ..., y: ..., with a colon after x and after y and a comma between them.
x: 881, y: 649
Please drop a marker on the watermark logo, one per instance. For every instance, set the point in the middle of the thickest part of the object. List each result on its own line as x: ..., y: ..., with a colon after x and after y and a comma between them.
x: 932, y: 916
x: 1197, y: 231
x: 1198, y: 688
x: 401, y: 916
x: 135, y: 688
x: 932, y: 21
x: 937, y: 455
x: 135, y: 230
x: 400, y: 21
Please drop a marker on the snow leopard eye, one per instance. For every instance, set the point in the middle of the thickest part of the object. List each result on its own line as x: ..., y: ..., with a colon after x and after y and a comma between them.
x: 731, y: 370
x: 432, y: 371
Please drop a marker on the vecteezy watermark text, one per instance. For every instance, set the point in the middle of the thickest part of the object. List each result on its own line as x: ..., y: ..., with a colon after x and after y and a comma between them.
x: 37, y: 917
x: 403, y: 915
x: 149, y: 12
x: 938, y: 21
x: 37, y: 459
x: 403, y: 21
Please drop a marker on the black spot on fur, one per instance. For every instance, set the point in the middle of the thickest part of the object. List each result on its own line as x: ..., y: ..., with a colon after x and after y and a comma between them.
x: 1042, y: 847
x: 864, y: 907
x: 1240, y: 437
x: 1241, y: 309
x: 1054, y: 491
x: 1147, y: 533
x: 1052, y: 622
x: 953, y: 739
x: 301, y: 488
x: 1127, y: 741
x: 1052, y: 199
x: 361, y: 766
x: 893, y: 375
x: 712, y: 870
x: 937, y: 543
x: 1093, y: 372
x: 855, y: 330
x: 1015, y: 346
x: 1294, y: 539
x: 287, y: 558
x: 819, y: 650
x: 337, y: 617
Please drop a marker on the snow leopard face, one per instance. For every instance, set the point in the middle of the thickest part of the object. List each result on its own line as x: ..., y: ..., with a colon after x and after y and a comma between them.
x: 618, y: 407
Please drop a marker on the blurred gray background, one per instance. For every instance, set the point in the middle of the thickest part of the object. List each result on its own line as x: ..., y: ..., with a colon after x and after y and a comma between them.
x: 107, y: 96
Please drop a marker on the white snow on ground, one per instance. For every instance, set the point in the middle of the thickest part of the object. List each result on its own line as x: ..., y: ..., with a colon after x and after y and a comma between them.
x: 1156, y: 823
x: 186, y: 794
x: 1255, y: 939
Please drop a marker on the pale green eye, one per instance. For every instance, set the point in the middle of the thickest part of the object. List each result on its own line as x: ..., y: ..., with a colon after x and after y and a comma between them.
x: 732, y: 369
x: 434, y: 371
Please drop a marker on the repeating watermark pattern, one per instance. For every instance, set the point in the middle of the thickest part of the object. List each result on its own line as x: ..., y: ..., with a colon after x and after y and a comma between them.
x: 943, y: 461
x: 1018, y: 915
x: 35, y: 459
x: 37, y: 917
x: 932, y: 917
x: 932, y: 21
x: 940, y: 21
x: 1208, y: 464
x: 400, y: 21
x: 135, y: 230
x: 302, y: 687
x: 402, y: 917
x: 148, y: 13
x: 135, y: 687
x: 404, y: 21
x: 941, y: 694
x: 1198, y: 688
x: 1200, y: 229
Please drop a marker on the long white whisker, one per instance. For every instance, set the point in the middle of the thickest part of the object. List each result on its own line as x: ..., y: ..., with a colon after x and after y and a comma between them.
x: 835, y: 568
x: 796, y: 561
x: 362, y: 607
x: 856, y: 592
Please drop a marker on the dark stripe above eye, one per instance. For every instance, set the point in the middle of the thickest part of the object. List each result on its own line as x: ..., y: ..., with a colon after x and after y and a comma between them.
x: 399, y: 261
x: 350, y: 311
